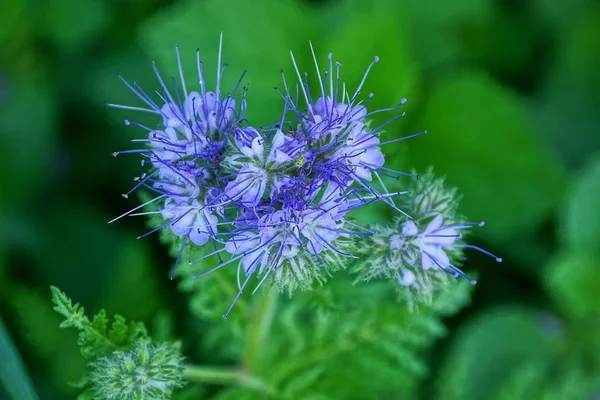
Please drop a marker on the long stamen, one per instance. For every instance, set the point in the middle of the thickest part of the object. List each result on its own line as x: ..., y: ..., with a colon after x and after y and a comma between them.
x: 362, y: 82
x: 185, y: 93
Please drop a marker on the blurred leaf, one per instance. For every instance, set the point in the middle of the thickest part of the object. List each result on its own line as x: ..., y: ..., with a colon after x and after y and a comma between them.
x: 3, y: 266
x: 503, y: 42
x: 76, y: 248
x: 559, y: 14
x: 162, y: 328
x: 52, y: 346
x: 566, y: 110
x: 395, y: 76
x: 488, y: 348
x: 74, y: 24
x: 27, y: 132
x: 533, y: 381
x: 103, y: 86
x: 481, y: 138
x: 18, y: 55
x: 436, y: 26
x: 13, y: 375
x: 258, y: 36
x: 582, y: 220
x: 573, y: 280
x: 209, y: 295
x: 134, y: 289
x: 191, y: 392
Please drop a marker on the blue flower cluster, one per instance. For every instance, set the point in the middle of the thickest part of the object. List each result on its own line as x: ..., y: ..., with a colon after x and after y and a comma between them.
x: 272, y: 200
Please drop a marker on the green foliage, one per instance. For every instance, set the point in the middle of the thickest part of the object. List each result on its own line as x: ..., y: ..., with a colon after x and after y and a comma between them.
x: 535, y: 381
x: 257, y: 36
x: 436, y: 35
x: 88, y: 18
x: 388, y: 39
x: 209, y: 295
x: 98, y: 337
x: 13, y: 375
x: 489, y: 348
x: 476, y: 74
x: 330, y: 351
x: 122, y: 363
x: 28, y: 161
x: 582, y: 219
x: 480, y: 138
x: 570, y: 98
x: 136, y: 269
x: 573, y: 280
x: 305, y: 346
x: 53, y: 347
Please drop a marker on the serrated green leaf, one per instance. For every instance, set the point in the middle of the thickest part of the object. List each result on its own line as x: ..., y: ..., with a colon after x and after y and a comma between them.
x: 488, y: 348
x: 95, y: 338
x: 118, y: 330
x: 258, y: 36
x: 311, y: 350
x: 582, y: 219
x: 73, y: 313
x: 482, y: 140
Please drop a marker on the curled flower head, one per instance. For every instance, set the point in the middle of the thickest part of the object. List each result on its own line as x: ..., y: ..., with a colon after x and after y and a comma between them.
x: 420, y: 254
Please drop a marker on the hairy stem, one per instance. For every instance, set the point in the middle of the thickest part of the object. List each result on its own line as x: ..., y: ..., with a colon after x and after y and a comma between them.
x: 224, y: 376
x: 259, y: 323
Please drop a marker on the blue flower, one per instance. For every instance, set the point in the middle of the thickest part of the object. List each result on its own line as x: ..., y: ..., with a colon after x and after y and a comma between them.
x: 186, y: 152
x: 193, y: 220
x: 258, y: 168
x: 276, y: 201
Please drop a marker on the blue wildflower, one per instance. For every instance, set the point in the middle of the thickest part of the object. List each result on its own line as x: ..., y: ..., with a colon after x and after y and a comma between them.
x: 289, y: 190
x: 258, y: 169
x: 186, y: 152
x: 274, y: 200
x: 419, y: 254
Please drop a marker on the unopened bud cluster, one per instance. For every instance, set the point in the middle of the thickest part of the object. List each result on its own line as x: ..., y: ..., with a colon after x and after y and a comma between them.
x: 146, y: 371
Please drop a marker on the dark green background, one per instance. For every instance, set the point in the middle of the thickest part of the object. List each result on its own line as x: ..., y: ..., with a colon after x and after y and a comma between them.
x: 509, y: 92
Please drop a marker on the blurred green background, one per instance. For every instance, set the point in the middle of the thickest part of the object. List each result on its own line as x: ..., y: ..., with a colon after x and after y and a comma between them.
x: 509, y: 91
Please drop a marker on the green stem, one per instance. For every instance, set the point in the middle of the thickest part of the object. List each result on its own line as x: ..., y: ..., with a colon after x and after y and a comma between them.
x: 259, y: 323
x: 223, y: 376
x: 212, y: 375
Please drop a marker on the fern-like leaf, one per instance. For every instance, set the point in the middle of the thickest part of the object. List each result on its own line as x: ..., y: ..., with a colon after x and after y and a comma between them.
x: 332, y: 353
x: 97, y: 337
